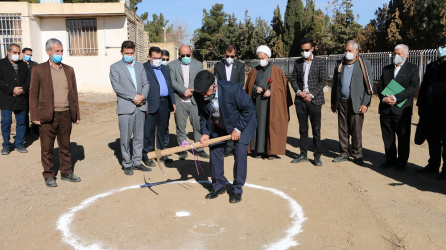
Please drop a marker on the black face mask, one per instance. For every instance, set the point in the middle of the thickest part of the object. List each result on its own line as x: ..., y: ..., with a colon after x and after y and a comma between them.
x: 208, y: 98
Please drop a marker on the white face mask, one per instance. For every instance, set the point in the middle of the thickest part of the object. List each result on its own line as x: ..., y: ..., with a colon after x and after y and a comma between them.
x: 349, y: 56
x: 157, y: 62
x: 305, y: 54
x: 263, y: 63
x: 14, y: 58
x: 398, y: 59
x: 164, y: 63
x: 229, y: 61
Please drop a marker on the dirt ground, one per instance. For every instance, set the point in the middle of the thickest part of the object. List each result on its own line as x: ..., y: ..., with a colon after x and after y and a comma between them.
x: 344, y: 206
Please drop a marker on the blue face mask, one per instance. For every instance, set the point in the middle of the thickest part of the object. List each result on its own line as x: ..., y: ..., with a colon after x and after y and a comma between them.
x: 27, y: 58
x: 441, y: 51
x: 56, y: 58
x: 128, y: 59
x: 186, y: 60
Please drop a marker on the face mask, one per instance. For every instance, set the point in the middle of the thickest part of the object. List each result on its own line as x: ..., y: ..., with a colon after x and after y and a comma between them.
x: 14, y: 58
x: 164, y: 63
x: 27, y: 58
x: 56, y: 58
x: 349, y: 56
x: 208, y: 98
x: 229, y: 61
x: 305, y: 54
x: 128, y: 59
x: 157, y: 62
x: 263, y: 63
x: 398, y: 59
x: 186, y: 60
x: 441, y: 51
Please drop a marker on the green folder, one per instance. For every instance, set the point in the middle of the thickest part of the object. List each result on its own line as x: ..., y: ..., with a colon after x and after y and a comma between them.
x: 394, y: 88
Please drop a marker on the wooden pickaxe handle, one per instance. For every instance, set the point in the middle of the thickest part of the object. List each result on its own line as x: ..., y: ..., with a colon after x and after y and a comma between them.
x: 177, y: 149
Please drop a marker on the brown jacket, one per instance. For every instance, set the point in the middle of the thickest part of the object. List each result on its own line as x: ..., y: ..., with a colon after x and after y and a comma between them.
x: 41, y: 94
x: 279, y: 114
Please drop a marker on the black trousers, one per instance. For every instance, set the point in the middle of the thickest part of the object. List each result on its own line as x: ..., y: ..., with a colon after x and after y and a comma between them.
x: 158, y: 120
x: 304, y: 111
x: 393, y: 127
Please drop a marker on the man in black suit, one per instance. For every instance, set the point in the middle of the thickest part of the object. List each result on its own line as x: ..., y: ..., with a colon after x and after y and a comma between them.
x: 27, y: 58
x: 394, y: 119
x: 225, y: 109
x: 308, y: 81
x: 160, y: 102
x: 432, y: 111
x: 14, y: 87
x: 230, y: 69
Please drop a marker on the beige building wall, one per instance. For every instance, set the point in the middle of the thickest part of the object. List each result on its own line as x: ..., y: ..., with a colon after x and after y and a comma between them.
x: 173, y: 50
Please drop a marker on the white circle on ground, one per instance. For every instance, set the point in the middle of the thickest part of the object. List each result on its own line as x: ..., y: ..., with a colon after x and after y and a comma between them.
x: 296, y: 214
x: 182, y: 214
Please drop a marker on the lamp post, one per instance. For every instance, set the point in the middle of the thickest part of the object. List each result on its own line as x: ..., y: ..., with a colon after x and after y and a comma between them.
x: 164, y: 30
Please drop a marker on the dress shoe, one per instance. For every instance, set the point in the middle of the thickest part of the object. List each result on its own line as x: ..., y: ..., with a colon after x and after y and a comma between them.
x: 235, y: 198
x: 215, y: 193
x: 317, y: 161
x: 51, y: 182
x: 257, y: 155
x: 358, y: 161
x: 203, y: 154
x: 21, y: 150
x: 166, y: 159
x: 228, y: 153
x: 71, y: 177
x: 300, y: 158
x: 427, y: 170
x: 142, y: 168
x: 340, y: 159
x: 149, y: 163
x: 128, y: 171
x: 183, y: 156
x: 6, y: 151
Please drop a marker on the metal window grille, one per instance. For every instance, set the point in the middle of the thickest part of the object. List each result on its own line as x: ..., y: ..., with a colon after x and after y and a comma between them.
x: 10, y: 31
x: 82, y: 37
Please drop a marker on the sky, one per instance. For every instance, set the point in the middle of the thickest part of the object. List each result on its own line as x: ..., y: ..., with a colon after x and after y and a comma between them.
x: 190, y: 12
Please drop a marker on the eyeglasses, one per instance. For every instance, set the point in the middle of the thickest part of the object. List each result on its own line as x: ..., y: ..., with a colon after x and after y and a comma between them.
x: 165, y: 59
x: 231, y: 56
x: 185, y: 55
x: 306, y: 50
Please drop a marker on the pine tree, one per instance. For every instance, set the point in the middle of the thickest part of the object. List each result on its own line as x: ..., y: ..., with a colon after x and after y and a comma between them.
x: 277, y: 27
x: 294, y: 24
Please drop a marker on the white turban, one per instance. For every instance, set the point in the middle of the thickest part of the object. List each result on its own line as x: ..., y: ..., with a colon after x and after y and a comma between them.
x: 264, y: 49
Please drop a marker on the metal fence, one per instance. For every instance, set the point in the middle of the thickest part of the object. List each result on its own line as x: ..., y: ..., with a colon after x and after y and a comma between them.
x: 378, y: 60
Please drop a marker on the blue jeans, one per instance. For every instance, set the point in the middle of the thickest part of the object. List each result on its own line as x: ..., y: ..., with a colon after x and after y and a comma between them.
x: 20, y: 116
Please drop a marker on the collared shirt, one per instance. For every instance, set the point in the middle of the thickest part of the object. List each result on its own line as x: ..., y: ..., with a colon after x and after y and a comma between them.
x: 164, y: 91
x: 52, y: 66
x: 185, y: 68
x: 131, y: 69
x: 228, y: 71
x: 307, y: 66
x: 397, y: 69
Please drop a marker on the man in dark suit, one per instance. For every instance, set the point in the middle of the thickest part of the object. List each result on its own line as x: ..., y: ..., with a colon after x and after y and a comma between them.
x: 27, y: 58
x: 350, y: 98
x: 308, y: 81
x: 14, y: 86
x: 432, y: 111
x: 225, y: 109
x: 54, y: 106
x: 393, y: 119
x: 160, y: 102
x: 232, y: 70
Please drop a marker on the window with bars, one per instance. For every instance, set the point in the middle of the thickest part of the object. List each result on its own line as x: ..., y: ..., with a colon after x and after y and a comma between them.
x: 10, y: 31
x: 82, y: 37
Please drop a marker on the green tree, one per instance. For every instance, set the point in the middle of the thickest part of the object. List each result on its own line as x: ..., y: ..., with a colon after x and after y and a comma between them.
x: 246, y: 36
x: 277, y: 27
x: 294, y: 24
x: 155, y: 28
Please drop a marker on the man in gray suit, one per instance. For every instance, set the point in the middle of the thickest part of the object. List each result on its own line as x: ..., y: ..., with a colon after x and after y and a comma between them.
x: 129, y: 81
x: 350, y: 97
x: 183, y: 72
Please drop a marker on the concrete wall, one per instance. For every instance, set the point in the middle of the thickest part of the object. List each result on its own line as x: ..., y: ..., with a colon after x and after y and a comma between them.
x: 173, y: 50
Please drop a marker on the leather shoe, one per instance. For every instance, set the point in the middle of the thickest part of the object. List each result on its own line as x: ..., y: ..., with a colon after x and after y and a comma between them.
x: 183, y: 156
x: 235, y: 198
x: 203, y: 154
x: 6, y: 151
x: 317, y: 161
x: 358, y: 161
x: 300, y: 158
x: 142, y: 168
x: 166, y: 159
x: 128, y: 171
x: 228, y: 153
x: 340, y: 159
x: 427, y: 170
x: 51, y: 182
x: 149, y: 163
x: 215, y: 193
x: 21, y: 150
x: 71, y: 177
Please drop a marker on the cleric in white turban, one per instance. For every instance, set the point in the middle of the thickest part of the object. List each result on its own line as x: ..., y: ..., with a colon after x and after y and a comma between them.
x: 268, y: 87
